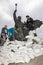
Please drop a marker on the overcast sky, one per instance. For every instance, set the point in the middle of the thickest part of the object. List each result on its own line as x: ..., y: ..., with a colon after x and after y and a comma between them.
x: 34, y: 8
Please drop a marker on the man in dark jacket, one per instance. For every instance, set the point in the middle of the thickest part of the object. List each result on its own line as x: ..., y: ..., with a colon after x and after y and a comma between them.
x: 4, y: 32
x: 29, y: 23
x: 18, y: 27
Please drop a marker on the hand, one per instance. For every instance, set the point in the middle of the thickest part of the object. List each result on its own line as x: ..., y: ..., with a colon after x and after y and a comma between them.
x: 16, y: 4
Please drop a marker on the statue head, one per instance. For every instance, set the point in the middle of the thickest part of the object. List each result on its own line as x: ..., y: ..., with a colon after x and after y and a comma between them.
x: 19, y: 17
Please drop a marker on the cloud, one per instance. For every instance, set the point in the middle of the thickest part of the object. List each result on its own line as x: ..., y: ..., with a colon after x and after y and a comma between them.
x: 5, y: 17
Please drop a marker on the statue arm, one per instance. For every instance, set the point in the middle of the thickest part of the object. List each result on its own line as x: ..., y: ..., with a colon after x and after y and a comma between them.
x: 14, y: 15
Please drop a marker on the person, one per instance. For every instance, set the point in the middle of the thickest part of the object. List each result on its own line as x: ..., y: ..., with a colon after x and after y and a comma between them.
x: 18, y: 27
x: 4, y: 33
x: 10, y: 33
x: 29, y: 23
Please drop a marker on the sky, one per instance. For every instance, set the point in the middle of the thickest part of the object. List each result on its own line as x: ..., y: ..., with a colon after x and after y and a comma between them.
x: 33, y: 8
